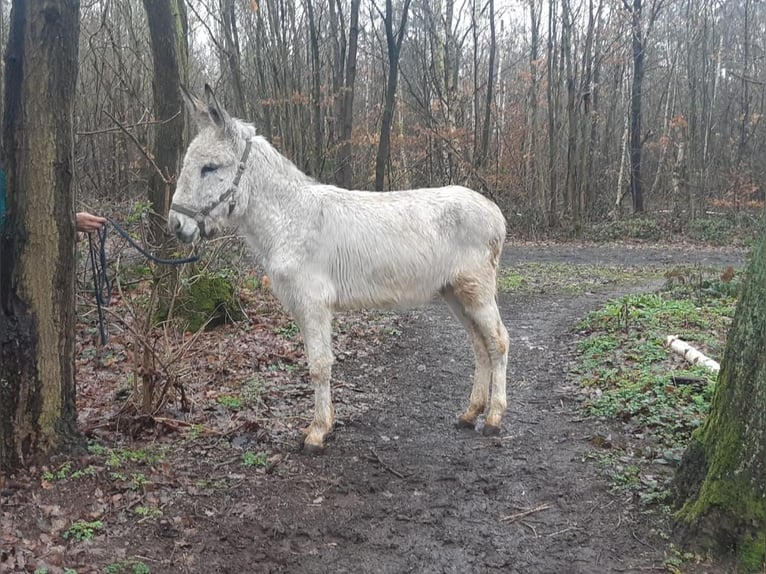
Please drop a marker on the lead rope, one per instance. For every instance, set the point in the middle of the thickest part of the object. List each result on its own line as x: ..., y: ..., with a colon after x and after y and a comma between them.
x: 101, y: 284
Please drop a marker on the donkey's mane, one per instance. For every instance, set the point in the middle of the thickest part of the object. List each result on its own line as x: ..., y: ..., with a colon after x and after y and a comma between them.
x: 270, y: 156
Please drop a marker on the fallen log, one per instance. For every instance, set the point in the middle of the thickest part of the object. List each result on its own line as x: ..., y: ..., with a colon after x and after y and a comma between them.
x: 691, y: 354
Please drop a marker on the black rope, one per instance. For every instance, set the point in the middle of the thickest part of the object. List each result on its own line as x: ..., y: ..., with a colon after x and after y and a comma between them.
x: 145, y: 253
x: 101, y: 285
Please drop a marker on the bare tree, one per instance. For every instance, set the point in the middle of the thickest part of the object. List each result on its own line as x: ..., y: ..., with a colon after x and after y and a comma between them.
x: 394, y: 41
x: 483, y: 150
x: 640, y: 28
x: 347, y: 98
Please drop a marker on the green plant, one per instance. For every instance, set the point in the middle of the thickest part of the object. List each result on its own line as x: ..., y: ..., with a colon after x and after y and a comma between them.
x: 60, y: 473
x: 628, y: 375
x: 147, y: 512
x: 714, y: 230
x: 290, y: 331
x: 127, y: 567
x: 230, y: 402
x: 138, y: 480
x: 254, y: 460
x: 82, y: 530
x: 147, y: 456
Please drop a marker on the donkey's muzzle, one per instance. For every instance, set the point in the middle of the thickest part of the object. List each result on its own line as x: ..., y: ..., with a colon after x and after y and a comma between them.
x: 177, y: 226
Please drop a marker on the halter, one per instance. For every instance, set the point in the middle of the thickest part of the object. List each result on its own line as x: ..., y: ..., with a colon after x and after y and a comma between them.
x: 199, y: 215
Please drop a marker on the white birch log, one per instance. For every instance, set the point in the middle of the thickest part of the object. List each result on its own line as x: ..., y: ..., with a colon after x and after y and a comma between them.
x: 691, y: 354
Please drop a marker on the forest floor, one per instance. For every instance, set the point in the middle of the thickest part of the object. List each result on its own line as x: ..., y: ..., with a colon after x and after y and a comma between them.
x: 223, y: 487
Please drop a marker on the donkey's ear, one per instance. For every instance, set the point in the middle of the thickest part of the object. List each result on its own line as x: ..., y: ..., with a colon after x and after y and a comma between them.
x: 217, y: 114
x: 197, y: 108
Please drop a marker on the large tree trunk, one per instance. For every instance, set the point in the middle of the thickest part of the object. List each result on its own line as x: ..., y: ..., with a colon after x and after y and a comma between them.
x: 37, y: 387
x: 168, y: 29
x: 721, y: 483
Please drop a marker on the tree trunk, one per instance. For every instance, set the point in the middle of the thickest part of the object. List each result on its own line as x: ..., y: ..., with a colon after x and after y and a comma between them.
x: 485, y: 128
x: 636, y: 95
x: 168, y: 28
x: 231, y: 41
x: 316, y: 96
x: 552, y: 198
x: 720, y: 486
x: 394, y: 45
x: 533, y: 127
x: 346, y: 173
x: 570, y: 189
x: 37, y: 386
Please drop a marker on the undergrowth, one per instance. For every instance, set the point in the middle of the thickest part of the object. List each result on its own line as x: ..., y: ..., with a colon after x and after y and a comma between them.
x: 627, y: 375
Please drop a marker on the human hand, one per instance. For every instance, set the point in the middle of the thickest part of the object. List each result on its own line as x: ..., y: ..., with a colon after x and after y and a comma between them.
x: 87, y: 222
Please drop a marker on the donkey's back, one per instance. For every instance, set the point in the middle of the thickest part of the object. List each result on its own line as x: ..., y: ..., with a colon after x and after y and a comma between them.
x: 399, y: 248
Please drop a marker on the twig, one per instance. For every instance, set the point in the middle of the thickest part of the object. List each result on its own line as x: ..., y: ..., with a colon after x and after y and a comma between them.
x: 515, y: 517
x: 130, y: 127
x: 384, y: 465
x: 567, y: 529
x: 141, y: 148
x: 532, y: 528
x: 641, y: 541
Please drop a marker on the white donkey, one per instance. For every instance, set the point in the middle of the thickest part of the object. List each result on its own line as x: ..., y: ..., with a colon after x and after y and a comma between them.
x: 328, y: 249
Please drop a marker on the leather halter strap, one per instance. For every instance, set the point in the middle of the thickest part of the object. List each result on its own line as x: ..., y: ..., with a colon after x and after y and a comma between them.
x: 199, y: 215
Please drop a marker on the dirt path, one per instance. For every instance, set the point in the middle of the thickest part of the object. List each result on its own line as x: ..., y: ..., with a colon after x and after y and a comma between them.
x: 399, y: 489
x: 402, y: 490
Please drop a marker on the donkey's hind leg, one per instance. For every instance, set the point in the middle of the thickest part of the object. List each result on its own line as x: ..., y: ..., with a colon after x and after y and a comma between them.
x: 476, y: 296
x: 495, y: 335
x: 482, y: 369
x: 316, y: 327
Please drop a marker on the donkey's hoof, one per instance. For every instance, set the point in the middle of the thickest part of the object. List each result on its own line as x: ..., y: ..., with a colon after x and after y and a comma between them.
x: 463, y: 423
x: 490, y: 430
x: 311, y: 449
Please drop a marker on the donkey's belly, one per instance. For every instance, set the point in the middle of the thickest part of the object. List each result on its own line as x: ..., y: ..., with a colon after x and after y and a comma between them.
x: 383, y: 289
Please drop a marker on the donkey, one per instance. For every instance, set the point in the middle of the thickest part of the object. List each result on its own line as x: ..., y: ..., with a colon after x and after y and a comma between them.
x: 329, y: 249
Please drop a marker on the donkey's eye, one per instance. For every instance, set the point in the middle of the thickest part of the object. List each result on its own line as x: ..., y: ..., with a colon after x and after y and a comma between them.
x: 206, y: 169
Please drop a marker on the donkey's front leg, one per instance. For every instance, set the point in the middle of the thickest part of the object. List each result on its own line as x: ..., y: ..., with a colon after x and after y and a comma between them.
x: 316, y: 327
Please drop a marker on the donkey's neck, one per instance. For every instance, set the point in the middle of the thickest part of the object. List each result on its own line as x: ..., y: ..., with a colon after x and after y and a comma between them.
x: 279, y: 204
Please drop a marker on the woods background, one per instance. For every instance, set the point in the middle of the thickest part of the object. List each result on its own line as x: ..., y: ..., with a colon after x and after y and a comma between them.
x: 565, y: 112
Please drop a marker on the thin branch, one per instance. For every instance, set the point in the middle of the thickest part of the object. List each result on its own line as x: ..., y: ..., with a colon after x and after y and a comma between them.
x: 145, y: 153
x: 518, y: 515
x: 130, y: 127
x: 385, y: 466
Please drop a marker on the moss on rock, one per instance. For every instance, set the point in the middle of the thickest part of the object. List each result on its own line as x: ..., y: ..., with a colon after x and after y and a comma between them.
x: 207, y: 297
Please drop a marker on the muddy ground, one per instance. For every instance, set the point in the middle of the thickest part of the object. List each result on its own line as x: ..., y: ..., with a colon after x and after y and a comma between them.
x: 399, y: 488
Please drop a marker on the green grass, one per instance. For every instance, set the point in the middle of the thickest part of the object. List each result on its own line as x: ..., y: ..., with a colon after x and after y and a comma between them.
x: 148, y: 456
x: 65, y: 472
x: 531, y: 278
x: 231, y: 402
x: 82, y: 530
x: 254, y: 460
x: 628, y: 375
x: 127, y: 567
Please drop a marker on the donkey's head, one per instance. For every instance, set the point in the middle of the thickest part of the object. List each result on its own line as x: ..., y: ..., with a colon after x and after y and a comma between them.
x: 206, y: 193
